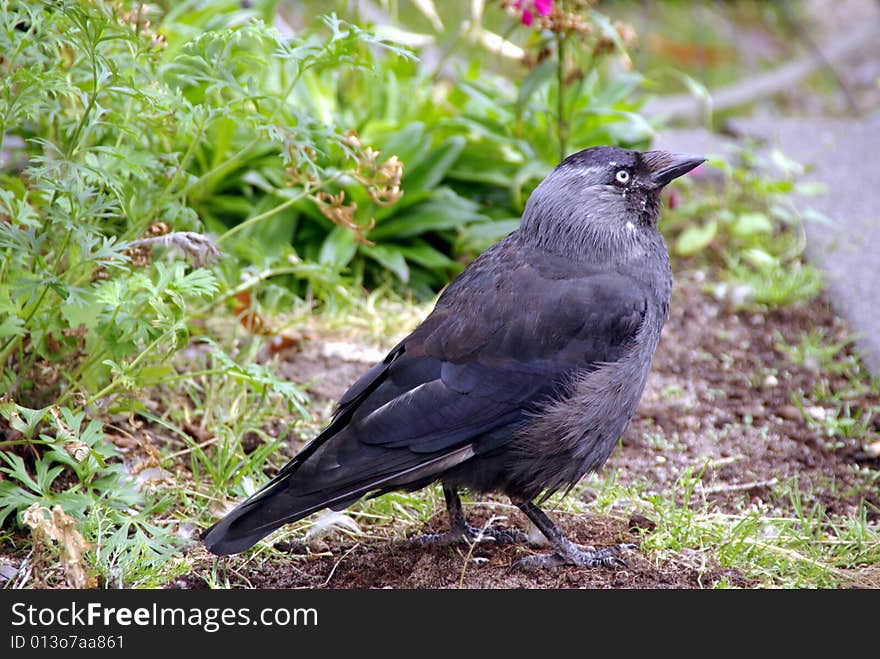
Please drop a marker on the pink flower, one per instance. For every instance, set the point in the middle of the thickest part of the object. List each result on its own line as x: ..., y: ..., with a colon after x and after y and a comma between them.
x: 543, y: 7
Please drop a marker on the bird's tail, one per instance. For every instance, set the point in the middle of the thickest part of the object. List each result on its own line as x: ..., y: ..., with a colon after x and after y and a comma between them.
x: 257, y: 517
x: 302, y: 489
x: 296, y: 492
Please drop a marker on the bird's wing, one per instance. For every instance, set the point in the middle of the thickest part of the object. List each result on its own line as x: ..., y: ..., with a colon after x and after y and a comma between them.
x: 475, y: 365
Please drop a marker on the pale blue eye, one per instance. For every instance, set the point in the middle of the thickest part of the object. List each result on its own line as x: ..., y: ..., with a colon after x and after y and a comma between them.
x: 622, y: 176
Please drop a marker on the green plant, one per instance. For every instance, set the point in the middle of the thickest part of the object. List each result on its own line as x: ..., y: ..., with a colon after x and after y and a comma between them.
x: 80, y: 317
x: 79, y: 470
x: 395, y: 110
x: 816, y: 351
x: 127, y: 142
x: 289, y: 178
x: 777, y: 285
x: 842, y: 422
x: 118, y: 136
x: 800, y: 546
x: 746, y: 224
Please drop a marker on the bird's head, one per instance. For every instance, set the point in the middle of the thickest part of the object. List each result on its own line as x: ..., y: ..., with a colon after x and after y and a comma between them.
x: 602, y: 196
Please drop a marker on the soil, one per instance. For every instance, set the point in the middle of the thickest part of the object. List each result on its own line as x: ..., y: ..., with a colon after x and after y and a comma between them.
x: 723, y: 400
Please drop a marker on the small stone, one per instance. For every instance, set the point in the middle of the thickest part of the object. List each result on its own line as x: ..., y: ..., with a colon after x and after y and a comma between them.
x: 638, y: 522
x: 691, y: 422
x: 7, y: 572
x: 288, y: 547
x: 817, y: 412
x: 789, y: 412
x: 536, y: 538
x: 873, y: 449
x: 770, y: 381
x: 752, y: 411
x: 811, y: 364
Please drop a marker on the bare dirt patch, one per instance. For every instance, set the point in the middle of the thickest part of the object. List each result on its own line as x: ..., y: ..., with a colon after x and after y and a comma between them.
x: 723, y: 395
x: 399, y: 564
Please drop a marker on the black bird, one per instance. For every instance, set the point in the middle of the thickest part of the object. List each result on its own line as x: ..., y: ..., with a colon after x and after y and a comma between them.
x: 522, y: 378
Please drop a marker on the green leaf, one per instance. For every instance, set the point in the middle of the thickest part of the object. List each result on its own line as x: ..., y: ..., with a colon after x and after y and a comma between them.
x: 810, y: 188
x: 533, y: 81
x: 388, y: 256
x: 422, y: 253
x: 18, y: 471
x: 618, y: 89
x: 155, y: 373
x: 77, y: 313
x: 533, y: 169
x: 12, y: 326
x: 221, y: 140
x: 476, y: 238
x: 409, y: 144
x: 443, y: 210
x: 748, y: 225
x: 484, y: 171
x: 13, y: 499
x: 696, y: 238
x: 338, y: 248
x: 23, y: 419
x: 428, y: 173
x: 695, y: 88
x: 759, y: 258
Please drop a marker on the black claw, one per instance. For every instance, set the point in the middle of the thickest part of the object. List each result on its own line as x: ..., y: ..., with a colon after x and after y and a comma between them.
x: 506, y: 536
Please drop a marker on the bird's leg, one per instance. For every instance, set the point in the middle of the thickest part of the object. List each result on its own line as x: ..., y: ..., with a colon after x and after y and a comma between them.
x: 461, y: 531
x: 567, y: 552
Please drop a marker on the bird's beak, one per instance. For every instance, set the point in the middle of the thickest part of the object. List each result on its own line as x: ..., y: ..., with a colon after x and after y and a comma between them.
x: 665, y: 166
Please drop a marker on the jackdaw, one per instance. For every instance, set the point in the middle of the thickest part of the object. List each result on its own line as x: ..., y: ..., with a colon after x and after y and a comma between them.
x: 523, y: 377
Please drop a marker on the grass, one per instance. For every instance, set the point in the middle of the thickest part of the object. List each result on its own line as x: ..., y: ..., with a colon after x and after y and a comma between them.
x: 801, y: 547
x: 836, y: 410
x: 185, y: 444
x: 816, y: 351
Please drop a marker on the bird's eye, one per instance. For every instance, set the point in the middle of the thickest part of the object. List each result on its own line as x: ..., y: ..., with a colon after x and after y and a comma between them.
x: 622, y: 176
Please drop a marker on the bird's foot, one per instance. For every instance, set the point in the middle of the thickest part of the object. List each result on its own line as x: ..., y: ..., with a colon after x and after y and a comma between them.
x: 573, y: 554
x: 470, y: 535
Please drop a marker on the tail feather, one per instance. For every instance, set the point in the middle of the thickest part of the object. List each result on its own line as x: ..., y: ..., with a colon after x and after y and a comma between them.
x: 289, y: 498
x: 256, y: 518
